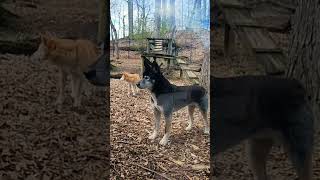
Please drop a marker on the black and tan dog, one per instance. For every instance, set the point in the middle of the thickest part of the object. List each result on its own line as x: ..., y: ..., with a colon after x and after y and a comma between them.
x: 167, y: 98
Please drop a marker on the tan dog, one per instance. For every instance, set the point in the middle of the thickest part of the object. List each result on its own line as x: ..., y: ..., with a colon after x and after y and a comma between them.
x: 132, y: 79
x: 72, y: 58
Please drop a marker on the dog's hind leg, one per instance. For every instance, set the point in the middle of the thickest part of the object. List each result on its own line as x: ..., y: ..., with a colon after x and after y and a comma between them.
x: 299, y: 137
x: 258, y: 150
x: 167, y: 131
x: 77, y: 87
x: 203, y: 106
x: 137, y: 89
x: 157, y: 116
x: 190, y: 120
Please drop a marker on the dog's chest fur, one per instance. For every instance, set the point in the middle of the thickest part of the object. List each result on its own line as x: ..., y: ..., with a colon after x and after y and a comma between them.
x: 155, y: 102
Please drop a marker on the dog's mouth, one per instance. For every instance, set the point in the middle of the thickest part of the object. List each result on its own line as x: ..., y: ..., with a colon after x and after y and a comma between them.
x: 138, y: 85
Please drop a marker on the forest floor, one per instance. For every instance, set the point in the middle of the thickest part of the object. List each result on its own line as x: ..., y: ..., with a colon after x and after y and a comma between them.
x: 36, y: 142
x: 133, y: 155
x: 233, y: 164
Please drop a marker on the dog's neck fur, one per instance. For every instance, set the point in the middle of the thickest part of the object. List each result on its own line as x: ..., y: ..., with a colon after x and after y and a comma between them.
x: 162, y: 86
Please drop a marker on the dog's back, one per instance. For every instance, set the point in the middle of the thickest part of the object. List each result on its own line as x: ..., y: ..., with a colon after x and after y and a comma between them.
x: 131, y: 78
x: 78, y: 53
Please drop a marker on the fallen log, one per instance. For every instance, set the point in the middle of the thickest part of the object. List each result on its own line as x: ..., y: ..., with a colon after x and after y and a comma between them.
x: 131, y: 48
x: 26, y: 47
x: 116, y: 75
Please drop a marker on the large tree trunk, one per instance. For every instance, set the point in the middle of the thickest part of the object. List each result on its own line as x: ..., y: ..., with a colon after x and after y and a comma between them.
x: 304, y: 50
x: 157, y: 17
x: 102, y: 29
x: 116, y: 46
x: 130, y: 17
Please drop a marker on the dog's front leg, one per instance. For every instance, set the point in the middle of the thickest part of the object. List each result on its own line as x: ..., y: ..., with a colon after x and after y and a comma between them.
x: 61, y: 84
x: 130, y: 90
x: 167, y: 131
x: 133, y: 89
x: 258, y: 150
x: 157, y: 116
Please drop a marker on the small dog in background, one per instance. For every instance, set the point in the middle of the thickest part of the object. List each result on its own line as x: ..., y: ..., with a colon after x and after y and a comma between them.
x: 72, y: 57
x: 132, y: 80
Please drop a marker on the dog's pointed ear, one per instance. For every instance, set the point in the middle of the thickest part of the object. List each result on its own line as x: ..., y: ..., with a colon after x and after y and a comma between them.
x: 146, y: 63
x: 145, y: 60
x: 156, y: 67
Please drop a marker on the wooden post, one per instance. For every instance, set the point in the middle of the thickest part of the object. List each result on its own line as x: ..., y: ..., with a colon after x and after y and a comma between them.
x: 229, y: 41
x: 148, y: 46
x: 142, y: 66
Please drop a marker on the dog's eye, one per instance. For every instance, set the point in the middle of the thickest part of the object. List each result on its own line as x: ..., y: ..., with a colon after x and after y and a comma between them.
x: 147, y: 77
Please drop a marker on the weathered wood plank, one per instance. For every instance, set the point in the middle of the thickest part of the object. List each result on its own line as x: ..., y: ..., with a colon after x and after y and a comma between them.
x: 180, y: 61
x: 191, y: 74
x: 287, y: 4
x: 273, y: 62
x: 190, y: 68
x: 231, y: 4
x: 238, y: 16
x: 261, y: 50
x: 257, y: 38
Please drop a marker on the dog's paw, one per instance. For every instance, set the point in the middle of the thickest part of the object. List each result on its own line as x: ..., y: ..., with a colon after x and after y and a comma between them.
x: 206, y: 131
x: 188, y: 128
x: 164, y: 141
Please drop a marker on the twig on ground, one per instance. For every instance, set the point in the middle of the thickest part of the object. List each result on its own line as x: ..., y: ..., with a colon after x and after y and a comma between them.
x: 126, y: 142
x: 160, y: 174
x: 187, y: 176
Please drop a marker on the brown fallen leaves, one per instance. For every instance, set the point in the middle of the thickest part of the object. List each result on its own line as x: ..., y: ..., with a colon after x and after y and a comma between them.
x: 38, y: 143
x: 134, y: 156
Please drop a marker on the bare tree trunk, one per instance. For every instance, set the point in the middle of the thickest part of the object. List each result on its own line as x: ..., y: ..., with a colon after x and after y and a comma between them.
x: 157, y: 17
x: 113, y: 44
x: 124, y: 26
x: 204, y: 10
x: 172, y: 14
x: 116, y: 44
x: 130, y: 17
x: 164, y: 13
x: 182, y: 14
x: 304, y: 50
x: 138, y: 17
x: 143, y: 16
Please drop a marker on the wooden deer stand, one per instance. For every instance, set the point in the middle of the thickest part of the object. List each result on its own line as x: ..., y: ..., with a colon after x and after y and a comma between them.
x: 161, y: 48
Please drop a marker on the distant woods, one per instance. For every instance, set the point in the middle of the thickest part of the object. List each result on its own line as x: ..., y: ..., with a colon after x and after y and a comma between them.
x: 138, y: 19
